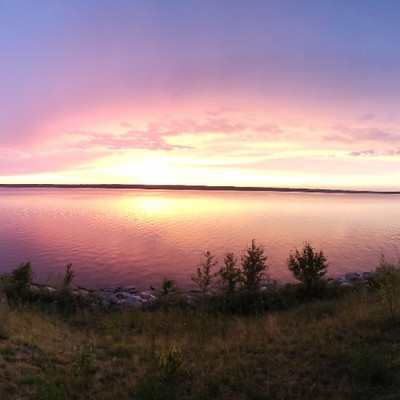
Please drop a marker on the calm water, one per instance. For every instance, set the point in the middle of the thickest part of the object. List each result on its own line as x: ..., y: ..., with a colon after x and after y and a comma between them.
x: 137, y: 237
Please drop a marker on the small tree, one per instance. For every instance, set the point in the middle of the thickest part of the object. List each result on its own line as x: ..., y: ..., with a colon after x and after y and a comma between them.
x: 308, y: 266
x: 229, y: 276
x: 254, y: 266
x: 203, y: 276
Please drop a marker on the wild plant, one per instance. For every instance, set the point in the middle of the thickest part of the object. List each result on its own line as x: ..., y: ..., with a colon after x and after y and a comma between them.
x: 17, y: 283
x: 169, y: 362
x: 254, y: 266
x: 229, y: 276
x: 204, y: 275
x: 389, y: 285
x: 168, y: 286
x: 308, y: 266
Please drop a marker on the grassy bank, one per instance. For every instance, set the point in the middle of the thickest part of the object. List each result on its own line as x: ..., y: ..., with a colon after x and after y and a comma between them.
x: 345, y: 347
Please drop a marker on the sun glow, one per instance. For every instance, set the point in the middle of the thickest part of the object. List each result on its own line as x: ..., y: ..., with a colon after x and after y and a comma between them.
x: 148, y: 171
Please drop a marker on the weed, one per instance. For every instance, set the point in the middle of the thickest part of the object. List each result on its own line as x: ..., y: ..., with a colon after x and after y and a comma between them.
x: 87, y: 361
x: 169, y: 362
x: 389, y: 285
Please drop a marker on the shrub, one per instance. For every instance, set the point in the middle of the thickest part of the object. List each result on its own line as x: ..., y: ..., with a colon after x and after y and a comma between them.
x: 204, y: 276
x: 168, y: 286
x: 308, y: 266
x: 254, y: 266
x: 17, y: 283
x: 69, y: 276
x: 65, y: 289
x: 229, y: 276
x: 169, y: 362
x: 389, y: 285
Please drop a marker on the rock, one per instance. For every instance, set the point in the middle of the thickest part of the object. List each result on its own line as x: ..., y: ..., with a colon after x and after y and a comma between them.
x: 105, y: 303
x: 133, y: 301
x: 50, y: 289
x: 147, y: 296
x: 347, y: 284
x: 109, y: 296
x: 122, y: 295
x: 353, y: 276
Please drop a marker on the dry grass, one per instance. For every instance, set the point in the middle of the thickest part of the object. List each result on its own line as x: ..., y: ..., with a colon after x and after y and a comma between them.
x: 337, y: 349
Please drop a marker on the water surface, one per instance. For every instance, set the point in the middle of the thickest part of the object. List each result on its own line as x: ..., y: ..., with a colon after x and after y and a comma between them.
x: 137, y: 237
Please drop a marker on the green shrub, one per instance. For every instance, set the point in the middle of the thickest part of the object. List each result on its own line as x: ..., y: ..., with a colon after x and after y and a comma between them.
x: 169, y: 362
x: 229, y: 276
x: 69, y: 276
x: 388, y: 283
x: 204, y: 276
x: 254, y: 266
x: 168, y: 286
x: 309, y: 266
x: 16, y: 285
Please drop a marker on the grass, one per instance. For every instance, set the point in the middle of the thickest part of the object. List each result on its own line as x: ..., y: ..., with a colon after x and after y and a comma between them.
x: 342, y: 348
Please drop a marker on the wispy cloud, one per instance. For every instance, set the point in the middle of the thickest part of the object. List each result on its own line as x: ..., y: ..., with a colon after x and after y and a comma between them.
x: 363, y: 153
x: 348, y: 134
x: 366, y: 117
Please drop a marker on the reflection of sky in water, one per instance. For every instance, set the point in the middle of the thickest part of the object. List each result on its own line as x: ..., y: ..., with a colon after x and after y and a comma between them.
x: 134, y: 237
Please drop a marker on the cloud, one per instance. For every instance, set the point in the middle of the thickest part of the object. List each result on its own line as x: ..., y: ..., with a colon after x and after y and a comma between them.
x: 363, y: 153
x: 129, y: 140
x: 156, y: 136
x: 15, y: 163
x: 366, y: 117
x: 347, y: 134
x: 393, y: 152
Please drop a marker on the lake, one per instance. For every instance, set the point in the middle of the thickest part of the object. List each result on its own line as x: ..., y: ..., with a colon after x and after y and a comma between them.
x: 127, y: 237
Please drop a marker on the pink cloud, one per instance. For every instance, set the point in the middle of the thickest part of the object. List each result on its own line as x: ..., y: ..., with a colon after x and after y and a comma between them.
x: 363, y: 153
x: 348, y: 134
x: 14, y: 163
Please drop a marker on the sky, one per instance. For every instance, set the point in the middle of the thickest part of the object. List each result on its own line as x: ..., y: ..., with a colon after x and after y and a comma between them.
x: 283, y: 93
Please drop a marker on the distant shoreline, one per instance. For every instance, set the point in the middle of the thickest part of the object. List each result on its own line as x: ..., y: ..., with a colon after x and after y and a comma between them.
x: 194, y: 187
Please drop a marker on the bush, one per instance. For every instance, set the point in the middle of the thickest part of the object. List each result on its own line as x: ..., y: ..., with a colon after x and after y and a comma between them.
x: 389, y: 285
x: 168, y: 286
x: 17, y: 284
x: 204, y: 276
x: 254, y: 266
x: 308, y: 266
x: 229, y: 276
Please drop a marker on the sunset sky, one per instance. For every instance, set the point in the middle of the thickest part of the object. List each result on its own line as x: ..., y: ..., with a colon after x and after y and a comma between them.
x: 299, y: 93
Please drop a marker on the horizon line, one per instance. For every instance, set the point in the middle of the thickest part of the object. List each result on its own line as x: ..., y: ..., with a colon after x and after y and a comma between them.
x: 192, y: 187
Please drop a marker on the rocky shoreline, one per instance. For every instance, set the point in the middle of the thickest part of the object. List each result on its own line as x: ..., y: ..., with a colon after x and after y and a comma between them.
x: 131, y: 297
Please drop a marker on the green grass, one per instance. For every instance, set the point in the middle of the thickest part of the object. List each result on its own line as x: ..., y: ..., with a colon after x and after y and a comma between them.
x: 343, y: 348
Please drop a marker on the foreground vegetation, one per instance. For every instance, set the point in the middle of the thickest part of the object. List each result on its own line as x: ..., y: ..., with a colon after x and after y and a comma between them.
x: 332, y: 349
x: 297, y: 341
